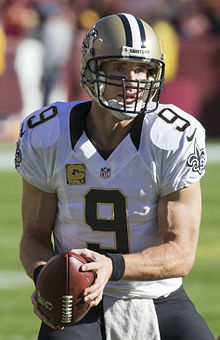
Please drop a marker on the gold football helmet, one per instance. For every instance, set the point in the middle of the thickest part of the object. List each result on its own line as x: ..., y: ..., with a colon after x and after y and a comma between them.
x: 128, y: 38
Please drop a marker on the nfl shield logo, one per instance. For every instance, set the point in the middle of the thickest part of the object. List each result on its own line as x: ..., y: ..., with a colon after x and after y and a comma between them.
x: 105, y: 172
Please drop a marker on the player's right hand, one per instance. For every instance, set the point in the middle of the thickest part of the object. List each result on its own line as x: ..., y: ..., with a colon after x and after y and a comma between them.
x: 40, y: 315
x: 102, y: 265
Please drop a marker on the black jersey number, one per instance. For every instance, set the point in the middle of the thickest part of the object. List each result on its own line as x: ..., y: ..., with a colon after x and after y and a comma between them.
x: 171, y: 117
x: 117, y: 224
x: 43, y: 117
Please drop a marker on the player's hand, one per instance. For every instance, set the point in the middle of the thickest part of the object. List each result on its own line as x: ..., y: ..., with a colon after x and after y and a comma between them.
x: 40, y: 315
x: 102, y: 266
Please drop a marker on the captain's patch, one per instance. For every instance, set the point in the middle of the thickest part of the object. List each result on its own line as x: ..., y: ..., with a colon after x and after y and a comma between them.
x: 75, y: 174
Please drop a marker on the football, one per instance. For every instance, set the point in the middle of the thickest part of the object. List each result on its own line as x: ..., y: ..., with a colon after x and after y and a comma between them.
x: 60, y: 286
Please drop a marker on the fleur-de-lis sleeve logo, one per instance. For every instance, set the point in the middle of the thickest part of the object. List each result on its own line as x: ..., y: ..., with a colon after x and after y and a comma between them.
x: 197, y: 160
x: 18, y: 155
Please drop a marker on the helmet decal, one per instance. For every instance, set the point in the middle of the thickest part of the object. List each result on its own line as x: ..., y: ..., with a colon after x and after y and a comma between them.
x: 88, y: 41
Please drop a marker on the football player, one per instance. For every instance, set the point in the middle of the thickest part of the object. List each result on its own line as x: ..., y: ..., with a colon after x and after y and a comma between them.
x: 116, y: 179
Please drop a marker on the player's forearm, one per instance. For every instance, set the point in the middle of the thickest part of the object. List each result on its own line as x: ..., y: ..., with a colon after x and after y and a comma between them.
x: 165, y: 261
x: 34, y: 252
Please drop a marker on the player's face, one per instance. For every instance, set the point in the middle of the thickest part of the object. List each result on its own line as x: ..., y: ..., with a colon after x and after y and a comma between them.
x: 125, y: 70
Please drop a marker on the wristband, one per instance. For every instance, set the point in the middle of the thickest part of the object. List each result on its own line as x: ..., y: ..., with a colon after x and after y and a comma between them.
x: 36, y: 272
x: 118, y: 266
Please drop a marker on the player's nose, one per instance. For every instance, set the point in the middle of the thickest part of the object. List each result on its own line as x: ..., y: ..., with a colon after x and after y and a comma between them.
x: 131, y: 75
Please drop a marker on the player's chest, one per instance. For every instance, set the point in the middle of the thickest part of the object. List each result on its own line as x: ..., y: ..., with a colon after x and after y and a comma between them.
x: 125, y: 170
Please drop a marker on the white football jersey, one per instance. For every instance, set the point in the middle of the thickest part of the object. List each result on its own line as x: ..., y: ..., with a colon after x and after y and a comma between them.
x: 109, y: 204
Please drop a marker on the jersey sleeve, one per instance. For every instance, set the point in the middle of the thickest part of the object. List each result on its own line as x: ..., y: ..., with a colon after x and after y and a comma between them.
x: 36, y: 148
x: 182, y: 152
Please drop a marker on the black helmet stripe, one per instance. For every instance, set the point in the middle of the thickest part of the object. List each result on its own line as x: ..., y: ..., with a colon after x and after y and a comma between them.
x: 129, y: 29
x: 142, y: 32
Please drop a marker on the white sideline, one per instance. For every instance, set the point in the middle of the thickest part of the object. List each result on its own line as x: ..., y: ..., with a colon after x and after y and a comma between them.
x: 10, y: 279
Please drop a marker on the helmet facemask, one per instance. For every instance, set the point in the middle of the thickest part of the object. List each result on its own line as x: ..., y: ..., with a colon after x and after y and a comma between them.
x: 145, y: 90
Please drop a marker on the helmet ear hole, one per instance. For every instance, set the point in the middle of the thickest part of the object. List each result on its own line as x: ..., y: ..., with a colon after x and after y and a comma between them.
x: 92, y: 66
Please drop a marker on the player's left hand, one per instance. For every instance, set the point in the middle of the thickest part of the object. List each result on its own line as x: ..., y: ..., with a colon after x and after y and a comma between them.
x: 40, y: 315
x: 102, y: 266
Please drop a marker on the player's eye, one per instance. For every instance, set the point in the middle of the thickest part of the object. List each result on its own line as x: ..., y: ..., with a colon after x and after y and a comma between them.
x: 140, y: 69
x: 118, y: 68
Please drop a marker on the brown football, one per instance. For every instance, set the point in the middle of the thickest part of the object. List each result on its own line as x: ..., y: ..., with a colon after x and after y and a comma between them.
x: 59, y: 289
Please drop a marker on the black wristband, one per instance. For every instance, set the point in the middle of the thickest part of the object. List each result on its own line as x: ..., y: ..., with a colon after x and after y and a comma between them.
x: 36, y: 272
x: 118, y: 265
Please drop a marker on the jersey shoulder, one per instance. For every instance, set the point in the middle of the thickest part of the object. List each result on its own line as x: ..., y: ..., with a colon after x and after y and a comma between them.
x: 43, y: 128
x: 170, y: 126
x: 43, y: 139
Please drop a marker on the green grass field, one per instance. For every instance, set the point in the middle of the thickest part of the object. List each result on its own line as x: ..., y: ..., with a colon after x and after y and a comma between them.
x: 17, y: 321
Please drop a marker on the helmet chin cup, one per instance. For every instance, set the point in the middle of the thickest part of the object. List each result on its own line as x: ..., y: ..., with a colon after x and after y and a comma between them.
x: 120, y: 110
x: 128, y: 114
